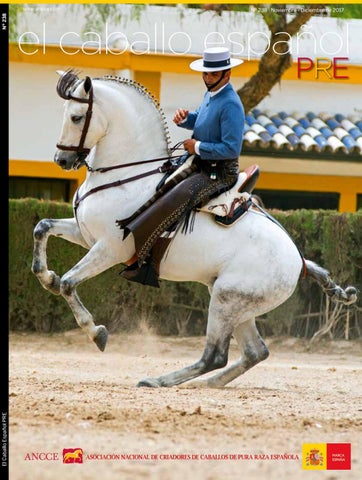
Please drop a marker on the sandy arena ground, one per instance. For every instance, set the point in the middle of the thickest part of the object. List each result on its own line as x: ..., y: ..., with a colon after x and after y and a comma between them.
x: 65, y: 394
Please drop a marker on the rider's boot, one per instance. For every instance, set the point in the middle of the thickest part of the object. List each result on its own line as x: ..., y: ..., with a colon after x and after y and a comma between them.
x: 148, y: 272
x: 144, y: 274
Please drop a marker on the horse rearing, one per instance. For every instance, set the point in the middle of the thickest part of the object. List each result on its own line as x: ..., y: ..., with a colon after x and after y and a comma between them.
x: 116, y: 128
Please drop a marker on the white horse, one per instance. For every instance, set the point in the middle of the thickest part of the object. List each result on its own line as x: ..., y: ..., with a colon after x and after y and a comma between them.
x: 113, y: 126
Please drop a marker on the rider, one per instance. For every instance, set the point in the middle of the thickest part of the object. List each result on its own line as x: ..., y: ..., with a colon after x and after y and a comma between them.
x: 218, y: 126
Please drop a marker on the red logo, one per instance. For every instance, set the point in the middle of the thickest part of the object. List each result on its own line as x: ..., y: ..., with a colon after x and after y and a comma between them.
x: 72, y: 455
x: 338, y: 456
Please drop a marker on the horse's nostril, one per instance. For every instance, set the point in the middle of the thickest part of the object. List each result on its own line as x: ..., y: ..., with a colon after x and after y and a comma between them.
x: 60, y: 161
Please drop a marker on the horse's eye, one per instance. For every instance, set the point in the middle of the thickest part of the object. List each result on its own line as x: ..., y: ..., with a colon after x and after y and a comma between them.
x: 76, y: 118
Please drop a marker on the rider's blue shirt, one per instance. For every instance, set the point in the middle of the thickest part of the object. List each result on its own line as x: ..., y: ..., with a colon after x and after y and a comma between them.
x: 218, y: 124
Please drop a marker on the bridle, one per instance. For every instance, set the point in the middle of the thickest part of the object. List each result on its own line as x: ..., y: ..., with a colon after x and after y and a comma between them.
x: 81, y: 151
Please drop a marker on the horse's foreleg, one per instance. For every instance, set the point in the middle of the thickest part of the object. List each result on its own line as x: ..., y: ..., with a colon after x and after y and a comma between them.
x: 97, y: 333
x: 97, y: 260
x: 253, y: 351
x: 67, y: 229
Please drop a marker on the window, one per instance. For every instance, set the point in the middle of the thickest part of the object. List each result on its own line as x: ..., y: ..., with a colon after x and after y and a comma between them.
x: 359, y: 201
x: 42, y: 188
x: 293, y: 200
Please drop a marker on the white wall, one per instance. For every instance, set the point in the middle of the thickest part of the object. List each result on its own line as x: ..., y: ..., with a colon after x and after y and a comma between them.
x: 333, y: 98
x: 35, y: 110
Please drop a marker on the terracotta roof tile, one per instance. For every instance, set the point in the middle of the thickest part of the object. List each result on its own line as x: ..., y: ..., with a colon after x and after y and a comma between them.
x: 313, y: 133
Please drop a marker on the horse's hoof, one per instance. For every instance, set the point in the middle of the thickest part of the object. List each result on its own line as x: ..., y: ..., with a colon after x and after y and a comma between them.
x: 101, y: 338
x: 149, y: 382
x: 197, y: 384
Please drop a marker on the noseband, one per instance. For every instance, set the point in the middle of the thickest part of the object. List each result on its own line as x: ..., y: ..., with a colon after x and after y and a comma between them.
x: 81, y: 151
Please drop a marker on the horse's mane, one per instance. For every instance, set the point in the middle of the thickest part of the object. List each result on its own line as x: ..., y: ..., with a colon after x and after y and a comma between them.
x: 142, y: 90
x: 70, y: 80
x: 67, y: 83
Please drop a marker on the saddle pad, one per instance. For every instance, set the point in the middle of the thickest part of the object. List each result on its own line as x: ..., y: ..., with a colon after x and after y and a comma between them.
x: 226, y: 203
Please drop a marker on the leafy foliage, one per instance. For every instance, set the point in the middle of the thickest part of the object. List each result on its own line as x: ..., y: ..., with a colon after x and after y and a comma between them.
x: 346, y: 10
x: 327, y: 237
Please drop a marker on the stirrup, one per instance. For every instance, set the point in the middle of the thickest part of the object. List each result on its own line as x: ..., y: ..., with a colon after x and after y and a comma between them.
x: 145, y: 274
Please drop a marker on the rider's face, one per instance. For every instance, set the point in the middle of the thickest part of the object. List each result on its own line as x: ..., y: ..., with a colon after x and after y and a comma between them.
x: 212, y: 77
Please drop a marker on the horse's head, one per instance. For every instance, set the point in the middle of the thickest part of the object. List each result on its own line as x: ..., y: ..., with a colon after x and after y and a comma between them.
x: 112, y: 118
x: 78, y: 133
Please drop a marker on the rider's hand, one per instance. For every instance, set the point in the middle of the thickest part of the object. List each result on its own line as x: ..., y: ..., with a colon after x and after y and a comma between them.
x: 189, y: 145
x: 180, y: 115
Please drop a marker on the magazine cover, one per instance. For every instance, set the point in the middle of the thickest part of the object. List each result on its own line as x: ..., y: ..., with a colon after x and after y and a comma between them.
x: 185, y: 230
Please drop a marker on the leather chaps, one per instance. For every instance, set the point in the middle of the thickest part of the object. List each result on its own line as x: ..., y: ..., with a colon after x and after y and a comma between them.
x: 172, y: 206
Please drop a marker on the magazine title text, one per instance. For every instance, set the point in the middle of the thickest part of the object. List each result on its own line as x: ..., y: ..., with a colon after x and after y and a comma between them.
x: 325, y: 50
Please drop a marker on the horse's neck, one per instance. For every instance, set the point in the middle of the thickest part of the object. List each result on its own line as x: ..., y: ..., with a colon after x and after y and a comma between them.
x: 135, y: 132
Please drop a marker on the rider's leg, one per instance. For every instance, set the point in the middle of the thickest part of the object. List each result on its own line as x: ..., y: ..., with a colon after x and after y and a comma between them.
x: 172, y: 208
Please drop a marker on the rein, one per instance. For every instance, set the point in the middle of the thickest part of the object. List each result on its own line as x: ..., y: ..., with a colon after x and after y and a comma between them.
x: 132, y: 164
x: 166, y: 167
x: 163, y: 169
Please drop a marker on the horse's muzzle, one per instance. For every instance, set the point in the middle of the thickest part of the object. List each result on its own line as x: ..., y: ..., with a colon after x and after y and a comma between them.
x: 69, y: 160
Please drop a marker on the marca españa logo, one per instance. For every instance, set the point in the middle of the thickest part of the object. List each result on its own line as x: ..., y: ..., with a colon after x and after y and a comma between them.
x: 326, y: 456
x: 72, y: 455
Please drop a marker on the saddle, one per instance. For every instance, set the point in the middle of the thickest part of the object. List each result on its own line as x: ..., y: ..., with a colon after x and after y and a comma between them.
x: 228, y: 207
x: 231, y: 205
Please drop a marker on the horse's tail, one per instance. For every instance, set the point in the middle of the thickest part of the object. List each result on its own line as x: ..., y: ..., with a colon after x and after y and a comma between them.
x: 334, y: 291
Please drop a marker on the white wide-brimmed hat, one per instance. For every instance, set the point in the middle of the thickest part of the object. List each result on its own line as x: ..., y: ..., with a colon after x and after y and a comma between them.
x: 215, y: 59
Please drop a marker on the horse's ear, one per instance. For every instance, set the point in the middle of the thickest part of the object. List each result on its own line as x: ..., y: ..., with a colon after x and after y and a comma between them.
x: 87, y: 84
